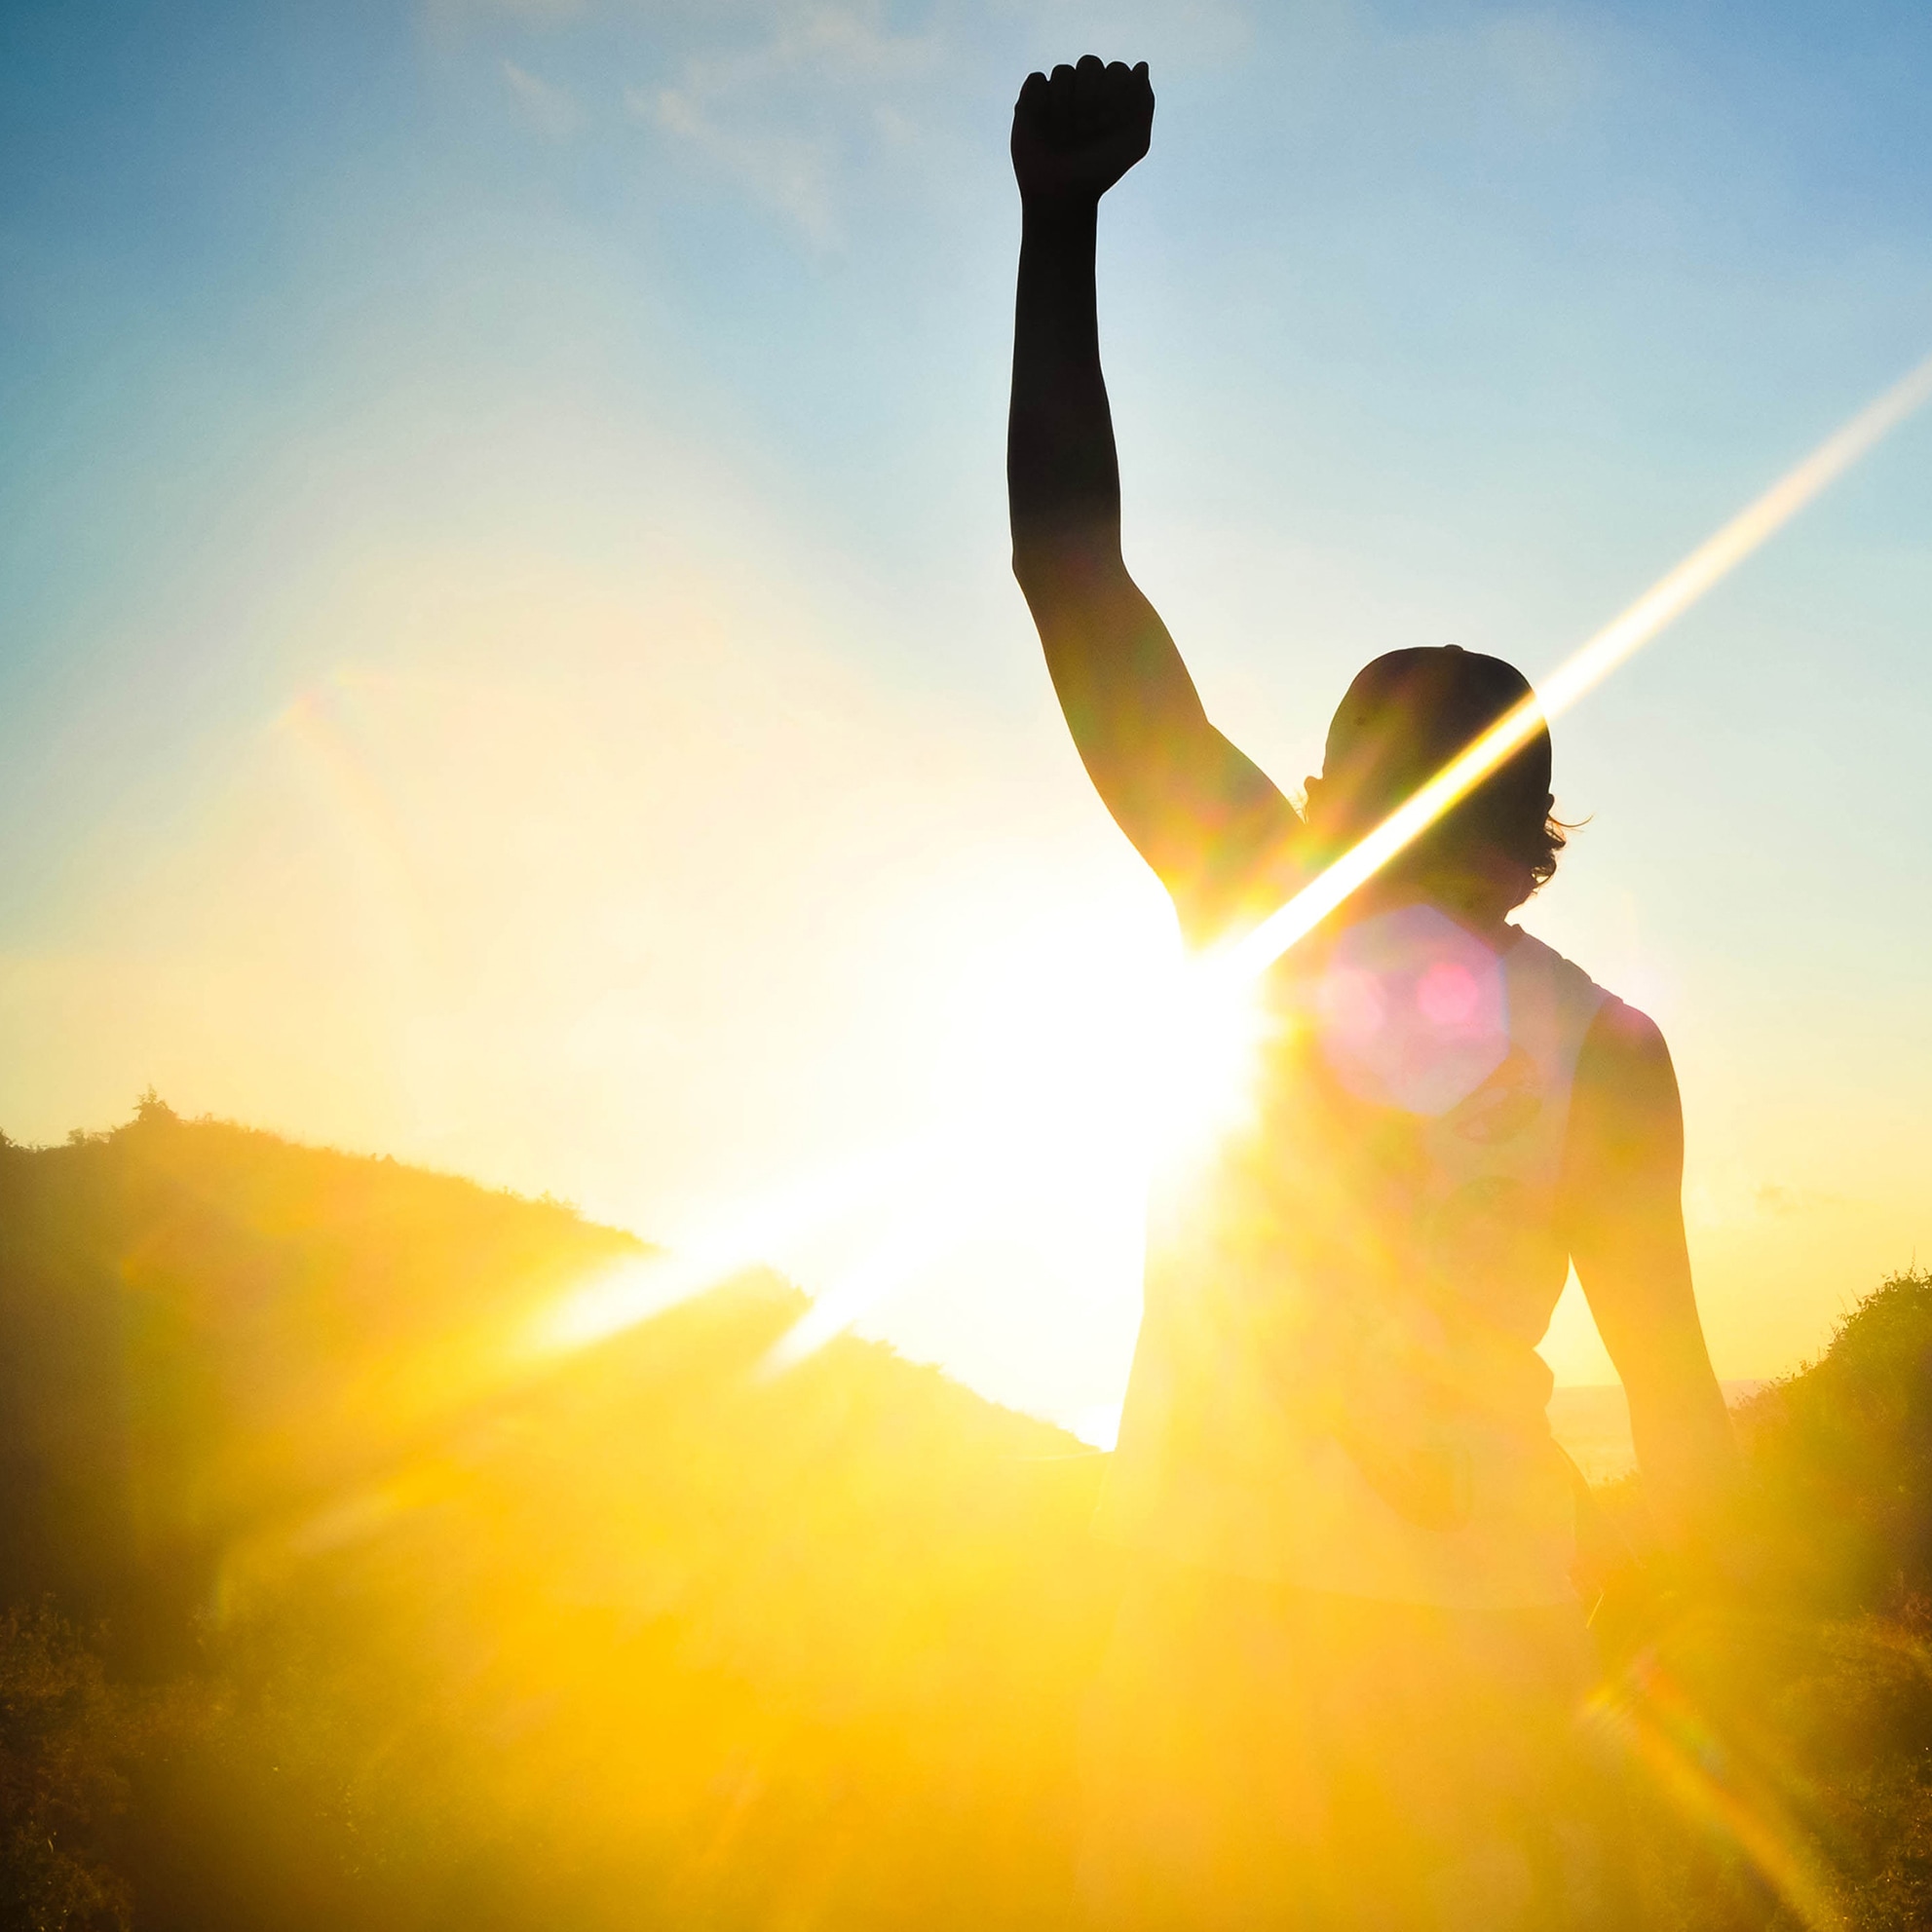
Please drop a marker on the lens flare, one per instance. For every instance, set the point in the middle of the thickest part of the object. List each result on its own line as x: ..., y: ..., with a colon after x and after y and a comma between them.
x: 1649, y: 1716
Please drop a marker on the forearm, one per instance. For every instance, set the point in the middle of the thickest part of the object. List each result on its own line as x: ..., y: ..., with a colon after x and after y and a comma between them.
x: 1197, y: 809
x: 1063, y: 475
x: 1684, y: 1445
x: 1622, y: 1193
x: 1641, y: 1294
x: 1118, y: 676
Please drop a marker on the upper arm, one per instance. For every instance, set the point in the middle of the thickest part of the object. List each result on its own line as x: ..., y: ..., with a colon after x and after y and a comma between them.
x: 1214, y: 827
x: 1622, y: 1201
x: 1622, y: 1195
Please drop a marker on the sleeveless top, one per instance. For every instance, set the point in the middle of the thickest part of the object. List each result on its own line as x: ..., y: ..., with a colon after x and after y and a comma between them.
x: 1336, y: 1383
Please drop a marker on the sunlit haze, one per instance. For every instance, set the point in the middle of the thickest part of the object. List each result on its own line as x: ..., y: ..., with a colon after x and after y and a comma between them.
x: 511, y: 661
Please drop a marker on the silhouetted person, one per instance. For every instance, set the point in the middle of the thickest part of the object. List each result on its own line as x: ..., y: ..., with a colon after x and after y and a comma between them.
x: 1347, y: 1676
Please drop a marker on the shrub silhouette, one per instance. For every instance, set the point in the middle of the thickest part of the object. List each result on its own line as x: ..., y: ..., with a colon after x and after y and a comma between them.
x: 65, y: 1736
x: 1843, y: 1456
x: 1800, y: 1698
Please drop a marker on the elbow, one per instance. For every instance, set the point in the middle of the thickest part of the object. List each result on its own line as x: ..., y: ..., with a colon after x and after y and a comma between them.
x: 1041, y: 579
x: 1036, y: 560
x: 1050, y: 566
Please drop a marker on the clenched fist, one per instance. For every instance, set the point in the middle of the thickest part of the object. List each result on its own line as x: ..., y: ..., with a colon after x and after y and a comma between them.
x: 1076, y: 134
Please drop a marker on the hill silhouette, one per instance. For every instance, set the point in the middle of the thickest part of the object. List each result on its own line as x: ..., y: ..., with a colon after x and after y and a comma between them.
x: 640, y: 1636
x: 335, y: 1603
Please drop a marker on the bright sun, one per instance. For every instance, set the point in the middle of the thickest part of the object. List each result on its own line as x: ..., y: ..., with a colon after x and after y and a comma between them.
x: 1075, y: 1058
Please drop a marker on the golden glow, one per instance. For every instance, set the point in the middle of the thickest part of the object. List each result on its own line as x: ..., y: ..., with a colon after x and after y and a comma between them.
x: 1083, y: 1055
x: 1079, y: 1079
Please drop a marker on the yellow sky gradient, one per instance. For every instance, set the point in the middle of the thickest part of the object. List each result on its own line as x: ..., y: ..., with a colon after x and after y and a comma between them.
x: 622, y: 886
x: 511, y: 661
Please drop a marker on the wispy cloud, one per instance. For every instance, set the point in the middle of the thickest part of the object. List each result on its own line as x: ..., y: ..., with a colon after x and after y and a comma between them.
x: 550, y: 111
x: 1778, y: 1199
x: 791, y: 173
x: 1731, y: 1201
x: 777, y: 115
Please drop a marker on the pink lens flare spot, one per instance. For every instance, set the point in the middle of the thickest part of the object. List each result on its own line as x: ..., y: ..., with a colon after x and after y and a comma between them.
x: 1449, y: 993
x: 1353, y: 1004
x: 1410, y: 1009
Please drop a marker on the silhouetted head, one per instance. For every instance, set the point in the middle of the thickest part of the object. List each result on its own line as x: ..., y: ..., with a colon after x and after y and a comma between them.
x: 1404, y: 717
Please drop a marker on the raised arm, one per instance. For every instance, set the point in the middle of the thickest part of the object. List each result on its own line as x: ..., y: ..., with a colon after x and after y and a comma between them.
x: 1208, y: 822
x: 1623, y: 1207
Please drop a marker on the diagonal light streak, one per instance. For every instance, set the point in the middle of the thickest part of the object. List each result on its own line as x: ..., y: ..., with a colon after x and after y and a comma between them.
x: 619, y: 1298
x: 1620, y: 640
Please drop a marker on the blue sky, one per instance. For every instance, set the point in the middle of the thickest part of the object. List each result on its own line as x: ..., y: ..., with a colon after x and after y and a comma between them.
x: 508, y: 656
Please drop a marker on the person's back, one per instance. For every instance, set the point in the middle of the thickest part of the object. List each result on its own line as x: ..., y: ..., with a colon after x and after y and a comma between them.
x: 1345, y: 1682
x: 1337, y: 1384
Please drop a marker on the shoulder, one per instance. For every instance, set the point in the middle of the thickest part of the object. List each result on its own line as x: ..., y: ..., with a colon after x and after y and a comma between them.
x: 1537, y: 970
x: 1625, y: 1106
x: 1621, y: 1038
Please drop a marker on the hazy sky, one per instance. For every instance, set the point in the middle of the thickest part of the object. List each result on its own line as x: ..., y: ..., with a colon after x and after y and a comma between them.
x: 506, y: 655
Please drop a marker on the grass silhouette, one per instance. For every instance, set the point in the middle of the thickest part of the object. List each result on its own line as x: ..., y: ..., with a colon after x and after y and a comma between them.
x: 327, y: 1612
